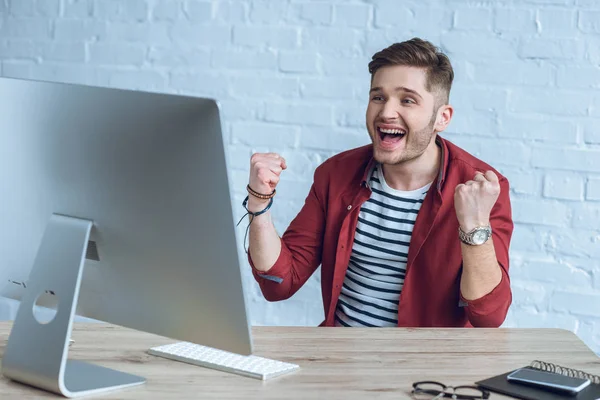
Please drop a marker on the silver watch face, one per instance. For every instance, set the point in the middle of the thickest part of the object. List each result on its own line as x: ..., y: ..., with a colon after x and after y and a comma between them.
x: 480, y: 236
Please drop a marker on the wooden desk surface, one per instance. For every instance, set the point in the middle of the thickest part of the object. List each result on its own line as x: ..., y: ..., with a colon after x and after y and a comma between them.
x: 336, y: 363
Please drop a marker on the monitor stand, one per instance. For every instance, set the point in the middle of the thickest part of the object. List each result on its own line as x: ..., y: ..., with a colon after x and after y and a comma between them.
x: 36, y: 353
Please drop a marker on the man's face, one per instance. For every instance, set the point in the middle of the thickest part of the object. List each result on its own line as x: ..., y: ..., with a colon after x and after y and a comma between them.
x: 400, y: 115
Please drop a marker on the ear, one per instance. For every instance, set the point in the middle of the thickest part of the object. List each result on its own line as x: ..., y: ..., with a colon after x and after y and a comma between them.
x: 444, y: 115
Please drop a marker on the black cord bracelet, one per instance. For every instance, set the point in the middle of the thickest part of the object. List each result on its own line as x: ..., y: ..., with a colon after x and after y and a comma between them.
x: 252, y: 215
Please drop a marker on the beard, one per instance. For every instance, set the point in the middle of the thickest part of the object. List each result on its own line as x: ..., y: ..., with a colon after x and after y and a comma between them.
x: 416, y: 144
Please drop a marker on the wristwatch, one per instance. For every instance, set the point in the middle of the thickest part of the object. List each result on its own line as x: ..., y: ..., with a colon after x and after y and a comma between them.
x: 475, y: 237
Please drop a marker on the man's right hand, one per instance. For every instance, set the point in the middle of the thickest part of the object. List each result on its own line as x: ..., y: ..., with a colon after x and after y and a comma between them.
x: 265, y: 169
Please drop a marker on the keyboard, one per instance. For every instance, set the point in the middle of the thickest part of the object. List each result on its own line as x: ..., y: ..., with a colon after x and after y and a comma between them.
x: 251, y: 366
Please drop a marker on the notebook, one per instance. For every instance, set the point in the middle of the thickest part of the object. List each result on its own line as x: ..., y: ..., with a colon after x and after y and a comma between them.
x: 500, y: 384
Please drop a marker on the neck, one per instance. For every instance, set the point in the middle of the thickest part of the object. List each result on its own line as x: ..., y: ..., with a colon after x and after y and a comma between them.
x: 416, y: 173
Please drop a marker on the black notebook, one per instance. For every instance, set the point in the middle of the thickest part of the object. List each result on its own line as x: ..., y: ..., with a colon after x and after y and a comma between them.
x: 500, y: 384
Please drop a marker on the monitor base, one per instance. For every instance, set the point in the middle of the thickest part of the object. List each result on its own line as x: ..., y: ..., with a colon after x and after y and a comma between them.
x: 36, y: 352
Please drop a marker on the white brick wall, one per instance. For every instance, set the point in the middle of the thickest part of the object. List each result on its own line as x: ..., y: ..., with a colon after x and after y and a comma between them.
x: 292, y: 77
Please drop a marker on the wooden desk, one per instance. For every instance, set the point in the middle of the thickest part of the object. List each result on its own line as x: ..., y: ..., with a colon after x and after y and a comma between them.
x: 336, y: 363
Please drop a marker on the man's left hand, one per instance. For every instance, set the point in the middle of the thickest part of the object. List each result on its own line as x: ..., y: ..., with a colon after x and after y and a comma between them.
x: 474, y: 199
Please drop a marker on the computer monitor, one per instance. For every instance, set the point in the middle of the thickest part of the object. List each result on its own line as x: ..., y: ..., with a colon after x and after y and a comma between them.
x: 116, y: 202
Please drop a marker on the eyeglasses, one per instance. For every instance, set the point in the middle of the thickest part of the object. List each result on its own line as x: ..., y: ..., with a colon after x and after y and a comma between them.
x: 429, y: 390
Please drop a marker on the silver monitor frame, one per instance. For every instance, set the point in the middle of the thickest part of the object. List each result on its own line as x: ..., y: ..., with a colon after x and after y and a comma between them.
x: 117, y: 204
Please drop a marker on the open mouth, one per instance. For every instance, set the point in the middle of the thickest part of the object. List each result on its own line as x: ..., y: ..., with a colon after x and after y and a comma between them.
x: 390, y: 135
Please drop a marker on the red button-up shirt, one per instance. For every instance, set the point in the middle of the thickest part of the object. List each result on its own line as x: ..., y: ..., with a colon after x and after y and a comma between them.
x: 323, y: 232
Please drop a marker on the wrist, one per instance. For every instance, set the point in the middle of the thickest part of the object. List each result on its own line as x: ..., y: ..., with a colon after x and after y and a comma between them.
x: 255, y: 204
x: 468, y: 226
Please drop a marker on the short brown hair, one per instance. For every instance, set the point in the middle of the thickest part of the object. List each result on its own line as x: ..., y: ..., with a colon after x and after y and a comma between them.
x: 423, y: 54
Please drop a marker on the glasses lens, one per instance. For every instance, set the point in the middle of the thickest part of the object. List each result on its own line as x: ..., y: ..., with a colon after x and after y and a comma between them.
x: 427, y: 391
x: 467, y: 392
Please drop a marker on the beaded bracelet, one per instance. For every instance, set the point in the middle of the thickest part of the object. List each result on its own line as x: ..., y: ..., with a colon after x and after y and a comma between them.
x: 260, y: 195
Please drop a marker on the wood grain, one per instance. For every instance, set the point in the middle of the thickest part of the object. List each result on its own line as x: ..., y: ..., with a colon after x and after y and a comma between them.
x: 336, y: 363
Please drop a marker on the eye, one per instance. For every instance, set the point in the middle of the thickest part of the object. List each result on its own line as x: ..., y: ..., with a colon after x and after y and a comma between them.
x: 408, y: 100
x: 377, y: 97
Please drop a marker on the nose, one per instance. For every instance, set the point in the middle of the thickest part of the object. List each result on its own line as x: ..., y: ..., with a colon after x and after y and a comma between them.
x: 390, y: 110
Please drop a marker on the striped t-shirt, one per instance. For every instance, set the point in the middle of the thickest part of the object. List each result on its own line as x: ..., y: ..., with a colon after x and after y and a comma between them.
x: 377, y: 266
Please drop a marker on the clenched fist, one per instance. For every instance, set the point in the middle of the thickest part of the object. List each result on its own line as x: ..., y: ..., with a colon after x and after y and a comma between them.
x: 474, y: 200
x: 265, y: 169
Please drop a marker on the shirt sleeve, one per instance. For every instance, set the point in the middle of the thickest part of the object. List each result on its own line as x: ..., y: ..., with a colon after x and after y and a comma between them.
x: 490, y: 310
x: 301, y: 247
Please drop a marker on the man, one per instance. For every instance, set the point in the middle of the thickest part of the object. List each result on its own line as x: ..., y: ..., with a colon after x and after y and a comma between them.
x: 409, y: 231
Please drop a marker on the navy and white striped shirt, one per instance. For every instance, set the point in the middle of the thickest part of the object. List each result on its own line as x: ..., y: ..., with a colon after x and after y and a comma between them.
x: 377, y: 267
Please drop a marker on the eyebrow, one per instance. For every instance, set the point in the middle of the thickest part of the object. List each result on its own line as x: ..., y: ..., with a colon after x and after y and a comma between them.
x: 399, y: 88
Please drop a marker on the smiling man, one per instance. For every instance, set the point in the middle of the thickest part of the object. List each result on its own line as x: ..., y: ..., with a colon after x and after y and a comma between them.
x: 409, y: 231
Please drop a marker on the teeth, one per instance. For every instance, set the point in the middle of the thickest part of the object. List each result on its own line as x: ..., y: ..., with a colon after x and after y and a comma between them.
x: 392, y: 131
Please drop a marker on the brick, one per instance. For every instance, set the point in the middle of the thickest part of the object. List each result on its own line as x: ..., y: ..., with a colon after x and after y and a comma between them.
x: 589, y: 21
x: 330, y: 88
x: 231, y: 11
x: 476, y: 123
x: 442, y: 18
x: 149, y: 34
x: 526, y: 238
x: 240, y: 109
x: 297, y: 114
x: 312, y: 13
x: 19, y: 49
x: 198, y: 11
x: 117, y: 54
x: 480, y: 46
x: 540, y: 212
x: 138, y: 80
x: 503, y: 152
x: 530, y: 293
x: 592, y: 191
x: 574, y: 243
x: 563, y: 185
x: 566, y: 159
x: 514, y: 20
x: 178, y: 56
x: 510, y: 73
x: 473, y: 18
x: 554, y: 49
x: 268, y: 12
x: 65, y: 52
x: 532, y: 319
x: 271, y: 36
x: 576, y: 302
x: 238, y: 157
x: 26, y: 28
x: 21, y: 8
x: 298, y: 62
x: 351, y: 115
x: 244, y: 59
x: 557, y: 22
x: 80, y: 74
x: 16, y: 69
x: 540, y: 129
x: 352, y: 15
x: 265, y: 134
x: 578, y: 77
x: 167, y: 10
x: 217, y: 36
x: 523, y: 182
x: 345, y: 66
x: 47, y: 8
x: 390, y: 14
x: 265, y: 88
x: 82, y: 30
x: 117, y: 10
x: 586, y: 216
x: 333, y: 41
x: 595, y: 108
x: 203, y: 84
x: 543, y: 101
x: 550, y: 271
x: 466, y: 97
x: 332, y: 139
x: 78, y: 8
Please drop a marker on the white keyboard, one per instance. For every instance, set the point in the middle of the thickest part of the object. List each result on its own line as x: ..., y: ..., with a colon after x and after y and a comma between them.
x: 251, y: 366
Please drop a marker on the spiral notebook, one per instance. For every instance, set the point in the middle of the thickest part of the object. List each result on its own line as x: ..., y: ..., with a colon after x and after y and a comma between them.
x: 500, y: 384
